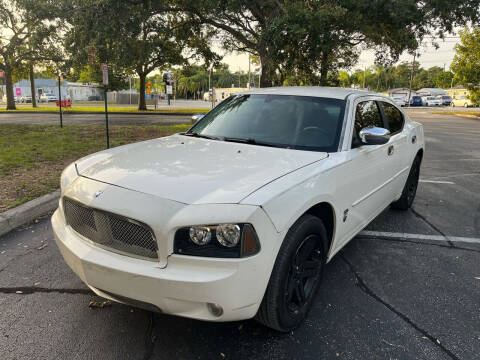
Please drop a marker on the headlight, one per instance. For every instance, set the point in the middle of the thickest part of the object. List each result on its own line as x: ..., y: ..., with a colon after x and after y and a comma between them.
x: 222, y: 240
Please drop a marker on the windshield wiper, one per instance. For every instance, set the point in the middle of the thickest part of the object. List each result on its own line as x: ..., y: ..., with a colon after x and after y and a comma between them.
x: 252, y: 141
x: 194, y: 134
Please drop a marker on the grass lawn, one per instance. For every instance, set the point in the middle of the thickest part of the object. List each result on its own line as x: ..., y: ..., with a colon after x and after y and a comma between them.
x: 32, y: 157
x: 110, y: 109
x: 459, y: 113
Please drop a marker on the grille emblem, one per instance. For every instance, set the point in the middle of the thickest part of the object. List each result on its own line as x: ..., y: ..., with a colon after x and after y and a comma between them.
x: 98, y: 193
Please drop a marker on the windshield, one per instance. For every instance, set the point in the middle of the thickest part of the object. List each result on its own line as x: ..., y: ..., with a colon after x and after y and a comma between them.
x: 295, y: 122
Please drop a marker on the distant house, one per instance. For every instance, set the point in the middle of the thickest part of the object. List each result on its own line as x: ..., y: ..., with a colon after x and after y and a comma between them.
x: 458, y: 91
x: 76, y: 91
x: 431, y: 92
x: 399, y: 92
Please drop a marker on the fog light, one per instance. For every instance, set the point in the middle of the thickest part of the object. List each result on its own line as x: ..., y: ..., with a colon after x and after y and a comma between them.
x: 200, y: 235
x: 228, y: 235
x: 215, y: 309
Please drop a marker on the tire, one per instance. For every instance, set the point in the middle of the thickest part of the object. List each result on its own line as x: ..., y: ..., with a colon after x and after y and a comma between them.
x: 296, y: 275
x: 465, y: 106
x: 410, y: 188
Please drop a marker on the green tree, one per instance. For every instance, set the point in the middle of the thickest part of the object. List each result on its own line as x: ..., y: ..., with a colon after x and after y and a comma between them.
x: 309, y: 38
x: 132, y: 37
x: 27, y: 29
x: 466, y: 63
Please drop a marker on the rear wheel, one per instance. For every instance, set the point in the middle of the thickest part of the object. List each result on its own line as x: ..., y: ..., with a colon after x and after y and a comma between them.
x: 296, y: 276
x: 410, y: 188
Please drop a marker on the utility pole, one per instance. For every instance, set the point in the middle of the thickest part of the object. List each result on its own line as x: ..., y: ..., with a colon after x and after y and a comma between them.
x: 249, y: 70
x: 105, y: 87
x: 60, y: 99
x: 364, y: 75
x: 411, y: 79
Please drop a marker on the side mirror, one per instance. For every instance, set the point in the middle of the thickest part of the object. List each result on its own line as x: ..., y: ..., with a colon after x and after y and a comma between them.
x: 374, y: 136
x: 195, y: 118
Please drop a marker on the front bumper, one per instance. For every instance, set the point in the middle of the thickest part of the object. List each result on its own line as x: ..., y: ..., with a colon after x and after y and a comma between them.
x: 184, y: 286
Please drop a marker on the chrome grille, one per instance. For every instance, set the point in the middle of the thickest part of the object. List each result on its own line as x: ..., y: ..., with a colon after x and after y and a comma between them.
x: 111, y: 231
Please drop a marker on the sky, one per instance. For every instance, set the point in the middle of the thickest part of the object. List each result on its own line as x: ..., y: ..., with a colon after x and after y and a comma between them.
x: 429, y: 56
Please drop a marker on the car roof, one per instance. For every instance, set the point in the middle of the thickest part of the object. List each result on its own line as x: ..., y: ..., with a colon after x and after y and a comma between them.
x: 317, y: 91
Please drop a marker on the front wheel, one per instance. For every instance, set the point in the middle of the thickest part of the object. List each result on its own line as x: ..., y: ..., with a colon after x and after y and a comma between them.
x: 410, y: 188
x: 296, y: 276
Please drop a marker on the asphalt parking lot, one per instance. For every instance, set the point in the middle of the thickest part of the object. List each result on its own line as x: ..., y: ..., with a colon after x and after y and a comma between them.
x: 408, y: 288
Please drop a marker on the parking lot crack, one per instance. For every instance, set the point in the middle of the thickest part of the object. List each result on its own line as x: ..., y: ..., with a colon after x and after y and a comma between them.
x: 149, y: 337
x: 434, y: 227
x: 26, y: 290
x: 363, y: 286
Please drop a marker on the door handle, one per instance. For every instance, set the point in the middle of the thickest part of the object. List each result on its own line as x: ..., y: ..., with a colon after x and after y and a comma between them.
x: 390, y: 150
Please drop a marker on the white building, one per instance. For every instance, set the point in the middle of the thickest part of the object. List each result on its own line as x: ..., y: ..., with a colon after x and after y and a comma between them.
x: 76, y: 91
x: 431, y: 92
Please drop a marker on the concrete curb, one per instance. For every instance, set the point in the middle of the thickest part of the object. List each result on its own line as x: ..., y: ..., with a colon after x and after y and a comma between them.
x: 28, y: 212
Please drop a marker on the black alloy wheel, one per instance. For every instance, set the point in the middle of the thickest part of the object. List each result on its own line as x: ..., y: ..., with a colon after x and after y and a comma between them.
x: 410, y: 189
x: 305, y: 273
x: 296, y: 275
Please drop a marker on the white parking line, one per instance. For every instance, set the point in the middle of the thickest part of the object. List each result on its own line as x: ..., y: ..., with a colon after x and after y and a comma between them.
x: 436, y: 182
x: 403, y: 236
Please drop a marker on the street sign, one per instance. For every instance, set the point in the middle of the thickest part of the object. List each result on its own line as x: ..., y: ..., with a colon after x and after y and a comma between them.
x: 169, y: 89
x: 18, y: 92
x: 105, y: 74
x: 149, y: 88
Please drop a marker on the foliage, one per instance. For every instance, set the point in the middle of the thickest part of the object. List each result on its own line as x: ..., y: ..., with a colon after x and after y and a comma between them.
x: 309, y: 39
x: 466, y: 63
x: 27, y: 33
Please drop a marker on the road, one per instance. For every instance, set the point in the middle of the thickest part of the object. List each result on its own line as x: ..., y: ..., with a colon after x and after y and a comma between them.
x: 384, y: 296
x: 99, y: 119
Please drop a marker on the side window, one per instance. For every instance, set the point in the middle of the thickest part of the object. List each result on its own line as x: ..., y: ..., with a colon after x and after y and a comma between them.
x: 367, y: 114
x: 394, y: 117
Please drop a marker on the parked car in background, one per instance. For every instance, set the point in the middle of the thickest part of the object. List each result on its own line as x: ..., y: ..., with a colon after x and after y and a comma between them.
x: 48, y: 97
x: 416, y: 101
x: 431, y: 101
x: 26, y: 99
x: 462, y: 101
x: 445, y: 99
x: 400, y: 100
x: 237, y: 217
x: 4, y: 98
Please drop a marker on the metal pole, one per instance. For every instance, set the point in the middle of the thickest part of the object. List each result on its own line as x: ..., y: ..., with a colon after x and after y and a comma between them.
x: 249, y: 70
x: 130, y: 92
x: 411, y: 79
x: 60, y: 100
x: 106, y: 117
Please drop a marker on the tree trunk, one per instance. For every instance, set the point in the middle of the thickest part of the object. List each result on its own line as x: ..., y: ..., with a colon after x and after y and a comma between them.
x: 9, y: 88
x: 324, y: 69
x: 141, y: 98
x: 266, y: 77
x: 32, y: 86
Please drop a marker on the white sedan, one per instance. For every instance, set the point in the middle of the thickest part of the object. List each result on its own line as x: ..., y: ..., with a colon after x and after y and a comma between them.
x: 237, y: 217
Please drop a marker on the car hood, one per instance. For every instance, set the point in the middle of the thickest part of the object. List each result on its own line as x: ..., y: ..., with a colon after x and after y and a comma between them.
x: 194, y: 170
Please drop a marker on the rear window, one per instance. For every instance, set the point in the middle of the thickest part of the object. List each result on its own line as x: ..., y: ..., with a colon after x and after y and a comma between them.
x: 394, y: 117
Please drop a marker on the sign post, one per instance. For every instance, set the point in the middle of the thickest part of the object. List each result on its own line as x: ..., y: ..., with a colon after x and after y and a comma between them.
x: 60, y: 99
x: 105, y: 85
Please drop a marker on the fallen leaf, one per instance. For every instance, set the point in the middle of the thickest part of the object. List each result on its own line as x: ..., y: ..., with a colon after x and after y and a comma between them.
x: 18, y: 292
x: 36, y: 284
x: 477, y: 277
x: 240, y: 327
x: 222, y: 355
x: 99, y: 304
x: 42, y: 246
x: 438, y: 341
